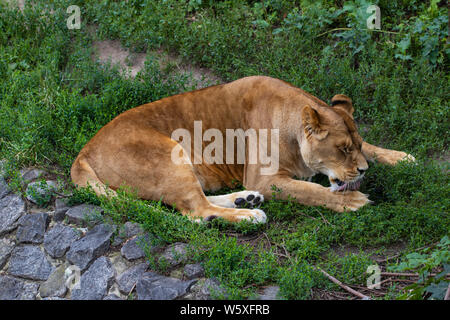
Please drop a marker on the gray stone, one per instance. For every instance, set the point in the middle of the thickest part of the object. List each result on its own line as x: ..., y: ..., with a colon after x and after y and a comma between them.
x: 31, y: 174
x: 95, y: 282
x: 132, y: 229
x: 36, y: 191
x: 212, y: 289
x: 155, y: 287
x: 134, y: 248
x: 32, y: 227
x: 94, y: 244
x: 61, y: 208
x: 55, y: 286
x: 127, y: 280
x: 81, y: 214
x: 194, y: 271
x: 59, y: 239
x: 174, y: 254
x: 206, y: 289
x: 4, y: 188
x: 269, y: 293
x: 128, y: 230
x: 16, y: 289
x: 6, y: 247
x: 29, y: 262
x: 117, y: 241
x: 12, y: 207
x: 112, y: 297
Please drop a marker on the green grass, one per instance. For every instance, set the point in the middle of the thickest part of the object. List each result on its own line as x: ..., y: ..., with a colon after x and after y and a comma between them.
x: 54, y: 98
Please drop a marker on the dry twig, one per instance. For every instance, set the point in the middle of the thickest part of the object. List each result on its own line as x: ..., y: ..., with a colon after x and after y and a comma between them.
x: 447, y: 294
x: 325, y: 220
x: 404, y: 274
x: 343, y: 286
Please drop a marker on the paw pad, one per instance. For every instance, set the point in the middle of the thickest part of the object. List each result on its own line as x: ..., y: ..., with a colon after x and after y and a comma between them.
x: 251, y: 201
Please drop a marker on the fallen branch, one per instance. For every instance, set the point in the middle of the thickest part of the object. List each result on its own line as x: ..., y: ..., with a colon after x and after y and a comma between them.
x: 349, y: 29
x: 403, y: 280
x: 286, y: 251
x: 377, y: 292
x: 381, y: 260
x: 335, y: 295
x: 305, y: 215
x: 325, y: 220
x: 372, y: 286
x: 413, y: 275
x: 399, y: 274
x: 132, y: 288
x: 267, y: 238
x: 343, y: 286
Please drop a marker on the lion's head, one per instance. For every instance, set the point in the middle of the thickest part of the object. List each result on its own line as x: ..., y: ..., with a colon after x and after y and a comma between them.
x: 331, y: 145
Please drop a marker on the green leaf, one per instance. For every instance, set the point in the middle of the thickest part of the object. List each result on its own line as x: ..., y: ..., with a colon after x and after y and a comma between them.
x: 277, y: 31
x: 404, y: 44
x: 12, y: 66
x: 445, y: 242
x: 437, y: 290
x: 261, y: 23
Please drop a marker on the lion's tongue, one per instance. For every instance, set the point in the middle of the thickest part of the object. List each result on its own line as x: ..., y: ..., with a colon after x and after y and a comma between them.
x: 350, y: 186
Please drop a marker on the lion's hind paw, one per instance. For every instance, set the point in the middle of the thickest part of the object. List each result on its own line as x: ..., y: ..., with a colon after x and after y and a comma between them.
x: 249, y: 199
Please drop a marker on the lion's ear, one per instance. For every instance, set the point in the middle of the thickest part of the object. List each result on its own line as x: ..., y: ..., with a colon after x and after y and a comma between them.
x: 343, y: 102
x: 311, y: 123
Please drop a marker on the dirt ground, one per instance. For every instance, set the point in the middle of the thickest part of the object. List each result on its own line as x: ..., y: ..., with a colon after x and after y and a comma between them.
x: 131, y: 63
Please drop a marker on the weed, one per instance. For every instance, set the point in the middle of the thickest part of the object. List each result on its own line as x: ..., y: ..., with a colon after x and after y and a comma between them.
x: 425, y: 262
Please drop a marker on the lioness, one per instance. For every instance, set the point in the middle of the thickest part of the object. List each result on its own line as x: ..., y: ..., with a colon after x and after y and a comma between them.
x: 135, y: 149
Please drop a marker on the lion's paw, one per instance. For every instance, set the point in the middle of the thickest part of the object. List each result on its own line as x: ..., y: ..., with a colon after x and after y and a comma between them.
x: 351, y: 201
x: 409, y: 158
x: 395, y: 157
x: 255, y: 216
x: 248, y: 199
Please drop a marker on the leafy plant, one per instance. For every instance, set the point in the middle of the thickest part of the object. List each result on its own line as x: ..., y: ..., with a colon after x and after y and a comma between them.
x: 425, y: 36
x: 297, y: 281
x: 350, y: 268
x: 425, y: 262
x: 41, y: 193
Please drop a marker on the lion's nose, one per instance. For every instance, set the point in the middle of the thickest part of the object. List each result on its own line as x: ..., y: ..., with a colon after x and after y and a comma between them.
x: 361, y: 171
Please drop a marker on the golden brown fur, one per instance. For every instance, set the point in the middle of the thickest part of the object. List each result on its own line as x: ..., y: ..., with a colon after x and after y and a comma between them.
x: 134, y: 149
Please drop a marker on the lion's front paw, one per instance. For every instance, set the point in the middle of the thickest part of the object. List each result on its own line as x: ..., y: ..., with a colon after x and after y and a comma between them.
x: 255, y: 216
x: 394, y: 157
x: 350, y: 201
x: 409, y: 157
